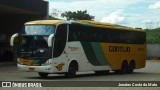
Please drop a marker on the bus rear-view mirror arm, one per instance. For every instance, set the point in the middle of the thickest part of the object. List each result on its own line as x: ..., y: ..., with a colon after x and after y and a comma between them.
x: 50, y: 40
x: 13, y: 39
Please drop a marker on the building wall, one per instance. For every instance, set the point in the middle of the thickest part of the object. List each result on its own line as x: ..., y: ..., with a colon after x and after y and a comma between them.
x: 13, y: 15
x: 34, y: 6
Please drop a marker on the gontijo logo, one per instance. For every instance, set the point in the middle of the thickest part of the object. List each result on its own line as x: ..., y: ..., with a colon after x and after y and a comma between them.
x: 21, y: 84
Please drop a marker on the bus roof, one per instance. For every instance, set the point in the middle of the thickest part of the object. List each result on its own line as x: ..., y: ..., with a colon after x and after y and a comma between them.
x: 84, y: 22
x: 52, y: 22
x: 108, y: 25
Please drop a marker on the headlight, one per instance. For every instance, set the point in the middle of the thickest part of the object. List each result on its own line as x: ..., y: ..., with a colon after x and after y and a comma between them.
x: 19, y: 61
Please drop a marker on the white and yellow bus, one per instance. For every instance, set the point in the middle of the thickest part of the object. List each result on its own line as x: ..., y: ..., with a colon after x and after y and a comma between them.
x: 67, y: 47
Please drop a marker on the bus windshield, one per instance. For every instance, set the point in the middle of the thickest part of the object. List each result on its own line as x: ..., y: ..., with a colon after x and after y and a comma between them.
x: 38, y: 29
x: 33, y: 43
x: 34, y: 47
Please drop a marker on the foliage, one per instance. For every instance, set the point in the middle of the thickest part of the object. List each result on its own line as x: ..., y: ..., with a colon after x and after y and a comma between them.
x: 77, y: 15
x: 153, y: 36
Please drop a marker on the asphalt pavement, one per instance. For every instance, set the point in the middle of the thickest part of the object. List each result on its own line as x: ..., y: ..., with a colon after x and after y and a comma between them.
x: 9, y: 72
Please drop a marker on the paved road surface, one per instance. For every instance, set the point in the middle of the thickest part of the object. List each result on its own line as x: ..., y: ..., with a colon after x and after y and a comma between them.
x: 150, y: 73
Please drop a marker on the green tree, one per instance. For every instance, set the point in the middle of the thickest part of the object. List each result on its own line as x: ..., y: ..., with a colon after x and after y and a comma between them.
x: 153, y: 36
x: 77, y: 15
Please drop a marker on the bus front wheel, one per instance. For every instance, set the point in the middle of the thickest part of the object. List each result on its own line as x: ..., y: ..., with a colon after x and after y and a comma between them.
x: 72, y: 70
x: 43, y: 75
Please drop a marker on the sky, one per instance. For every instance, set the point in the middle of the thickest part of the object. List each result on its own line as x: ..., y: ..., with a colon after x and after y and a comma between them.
x: 132, y: 13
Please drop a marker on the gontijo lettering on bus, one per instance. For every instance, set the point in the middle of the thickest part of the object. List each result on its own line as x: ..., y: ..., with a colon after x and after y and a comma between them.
x: 119, y: 49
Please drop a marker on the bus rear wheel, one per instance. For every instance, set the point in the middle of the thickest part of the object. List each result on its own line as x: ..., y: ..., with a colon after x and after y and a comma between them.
x: 131, y: 67
x: 124, y: 68
x: 43, y: 75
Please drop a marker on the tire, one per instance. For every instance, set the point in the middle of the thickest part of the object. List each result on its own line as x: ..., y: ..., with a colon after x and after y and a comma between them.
x: 71, y: 71
x: 101, y: 72
x: 43, y: 75
x: 131, y: 67
x: 124, y: 68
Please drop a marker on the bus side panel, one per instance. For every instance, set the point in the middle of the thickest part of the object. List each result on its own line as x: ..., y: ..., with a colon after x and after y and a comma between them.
x: 75, y: 51
x: 114, y: 53
x: 82, y: 52
x: 117, y: 53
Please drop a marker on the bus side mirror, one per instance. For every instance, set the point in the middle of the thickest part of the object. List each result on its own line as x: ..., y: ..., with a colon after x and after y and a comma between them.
x: 13, y: 39
x: 50, y: 40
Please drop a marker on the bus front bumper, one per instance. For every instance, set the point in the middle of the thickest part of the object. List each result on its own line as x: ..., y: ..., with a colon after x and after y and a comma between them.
x: 45, y: 69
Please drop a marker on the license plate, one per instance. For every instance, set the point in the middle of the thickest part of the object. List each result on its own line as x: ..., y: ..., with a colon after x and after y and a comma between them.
x: 31, y: 69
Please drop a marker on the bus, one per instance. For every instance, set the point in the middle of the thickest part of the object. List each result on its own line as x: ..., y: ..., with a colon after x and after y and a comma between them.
x: 68, y: 47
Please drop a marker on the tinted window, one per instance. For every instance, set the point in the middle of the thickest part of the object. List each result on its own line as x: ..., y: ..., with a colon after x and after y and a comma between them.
x: 96, y: 34
x: 60, y: 40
